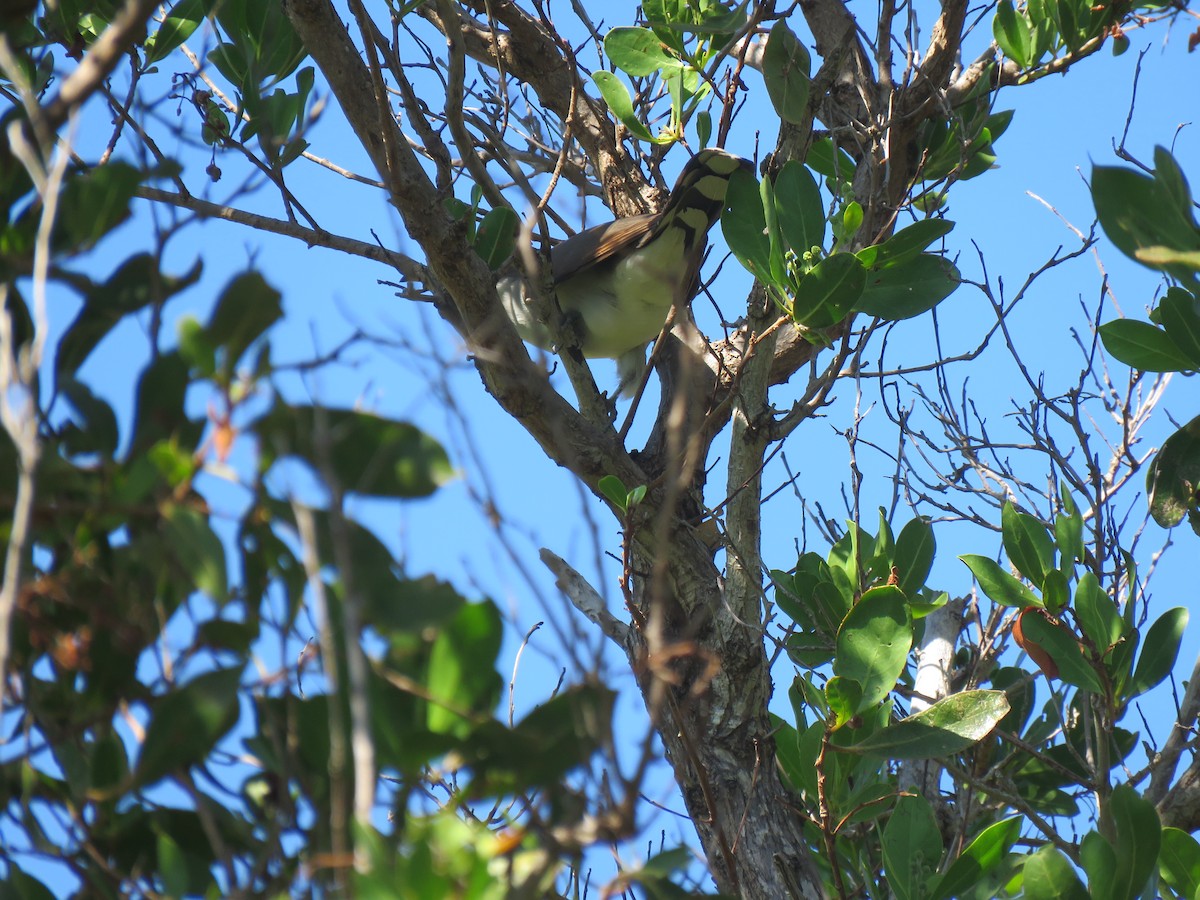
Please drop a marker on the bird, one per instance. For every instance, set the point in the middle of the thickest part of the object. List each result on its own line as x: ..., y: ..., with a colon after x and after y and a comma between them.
x: 616, y: 282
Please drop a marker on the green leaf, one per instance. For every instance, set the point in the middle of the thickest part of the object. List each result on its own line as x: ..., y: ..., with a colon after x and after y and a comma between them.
x: 1159, y: 650
x: 1142, y: 346
x: 1068, y: 533
x: 1013, y: 34
x: 915, y: 549
x: 616, y: 95
x: 614, y: 490
x: 786, y: 66
x: 979, y: 858
x: 1063, y: 648
x: 744, y: 224
x: 461, y: 675
x: 172, y: 866
x: 93, y: 204
x: 245, y: 310
x: 909, y: 289
x: 637, y: 52
x: 161, y: 406
x: 1180, y: 318
x: 557, y: 736
x: 912, y: 847
x: 184, y: 18
x: 873, y: 644
x: 999, y: 586
x: 801, y: 212
x: 1137, y: 211
x: 264, y: 38
x: 1027, y: 543
x: 135, y: 285
x: 23, y: 886
x: 1171, y: 178
x: 829, y: 291
x: 1097, y: 613
x: 1173, y: 481
x: 1179, y: 862
x: 496, y: 236
x: 906, y: 244
x: 197, y: 550
x: 950, y: 726
x: 779, y: 274
x: 187, y: 723
x: 94, y: 427
x: 1138, y: 838
x: 843, y: 696
x: 1048, y: 875
x: 364, y: 453
x: 1056, y: 593
x: 826, y: 158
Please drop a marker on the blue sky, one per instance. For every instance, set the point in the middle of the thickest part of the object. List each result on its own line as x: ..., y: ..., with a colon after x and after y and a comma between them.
x: 1063, y: 124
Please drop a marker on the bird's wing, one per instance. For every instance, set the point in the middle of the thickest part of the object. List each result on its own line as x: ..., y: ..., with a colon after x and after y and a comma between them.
x: 594, y: 246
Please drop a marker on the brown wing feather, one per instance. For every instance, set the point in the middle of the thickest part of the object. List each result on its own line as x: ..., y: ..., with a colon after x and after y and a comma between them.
x: 597, y: 244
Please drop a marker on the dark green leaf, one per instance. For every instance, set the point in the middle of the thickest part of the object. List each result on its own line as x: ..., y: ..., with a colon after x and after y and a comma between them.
x: 1068, y: 532
x: 1142, y: 346
x: 873, y: 644
x: 744, y: 224
x: 94, y: 203
x: 161, y: 412
x: 829, y: 291
x: 915, y: 549
x: 184, y: 18
x: 829, y: 160
x: 912, y: 847
x: 1056, y: 593
x: 801, y: 212
x: 136, y: 284
x: 245, y: 310
x: 909, y: 289
x: 1064, y: 649
x: 94, y: 428
x: 1173, y: 482
x: 1159, y: 650
x: 1097, y: 613
x: 1179, y: 314
x: 496, y: 236
x: 950, y: 726
x: 187, y: 723
x: 906, y: 244
x: 364, y: 453
x: 197, y: 551
x: 786, y: 66
x: 264, y: 38
x: 1027, y: 543
x: 999, y: 586
x: 1137, y: 211
x: 1138, y: 838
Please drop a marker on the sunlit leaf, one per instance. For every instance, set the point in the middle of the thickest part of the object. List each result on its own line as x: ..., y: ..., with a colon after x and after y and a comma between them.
x: 949, y: 726
x: 873, y: 643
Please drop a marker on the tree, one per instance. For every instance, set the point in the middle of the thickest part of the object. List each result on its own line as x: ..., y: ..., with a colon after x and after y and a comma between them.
x: 176, y: 731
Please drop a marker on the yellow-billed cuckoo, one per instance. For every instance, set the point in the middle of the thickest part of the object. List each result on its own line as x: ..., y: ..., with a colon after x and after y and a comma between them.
x: 616, y: 282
